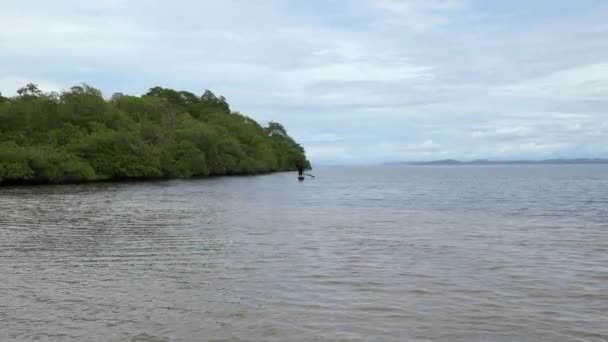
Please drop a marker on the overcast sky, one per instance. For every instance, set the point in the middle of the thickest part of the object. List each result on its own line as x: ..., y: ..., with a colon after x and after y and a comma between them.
x: 355, y: 81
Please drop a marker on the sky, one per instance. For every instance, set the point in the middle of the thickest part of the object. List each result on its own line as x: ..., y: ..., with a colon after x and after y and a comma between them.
x: 354, y: 81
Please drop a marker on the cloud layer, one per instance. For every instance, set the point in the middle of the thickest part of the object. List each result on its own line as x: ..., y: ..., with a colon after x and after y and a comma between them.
x: 360, y: 81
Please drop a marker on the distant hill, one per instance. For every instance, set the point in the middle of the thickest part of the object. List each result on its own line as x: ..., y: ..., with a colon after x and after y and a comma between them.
x: 505, y: 162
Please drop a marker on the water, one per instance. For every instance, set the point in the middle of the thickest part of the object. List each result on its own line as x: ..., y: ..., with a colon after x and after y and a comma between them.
x: 513, y: 253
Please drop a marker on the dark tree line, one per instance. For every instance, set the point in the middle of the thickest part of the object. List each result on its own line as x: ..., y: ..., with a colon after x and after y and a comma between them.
x: 77, y: 136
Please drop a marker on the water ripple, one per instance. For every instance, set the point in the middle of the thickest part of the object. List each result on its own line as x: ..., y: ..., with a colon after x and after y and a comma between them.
x: 359, y: 254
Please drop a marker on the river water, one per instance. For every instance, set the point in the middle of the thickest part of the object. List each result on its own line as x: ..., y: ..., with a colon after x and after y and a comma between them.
x: 505, y: 253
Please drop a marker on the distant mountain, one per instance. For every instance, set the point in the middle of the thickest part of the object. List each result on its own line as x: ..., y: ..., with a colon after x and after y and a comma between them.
x: 505, y: 162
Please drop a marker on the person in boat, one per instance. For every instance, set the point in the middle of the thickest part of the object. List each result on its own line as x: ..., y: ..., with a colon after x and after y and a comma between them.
x: 301, y: 167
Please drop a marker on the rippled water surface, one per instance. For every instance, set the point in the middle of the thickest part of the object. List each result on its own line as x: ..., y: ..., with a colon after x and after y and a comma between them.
x: 516, y: 253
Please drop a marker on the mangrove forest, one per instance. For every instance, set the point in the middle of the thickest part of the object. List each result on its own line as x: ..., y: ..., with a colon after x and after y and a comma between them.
x: 78, y: 136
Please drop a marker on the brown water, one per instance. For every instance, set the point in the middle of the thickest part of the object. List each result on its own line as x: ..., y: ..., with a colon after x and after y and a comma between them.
x: 516, y: 253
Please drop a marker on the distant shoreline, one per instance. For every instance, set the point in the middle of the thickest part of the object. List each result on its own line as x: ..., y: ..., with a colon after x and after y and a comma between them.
x: 452, y: 162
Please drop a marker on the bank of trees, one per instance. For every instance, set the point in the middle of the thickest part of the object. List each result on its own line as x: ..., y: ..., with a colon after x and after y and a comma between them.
x: 77, y: 135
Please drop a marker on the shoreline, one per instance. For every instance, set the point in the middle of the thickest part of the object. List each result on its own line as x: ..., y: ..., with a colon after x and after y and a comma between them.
x: 132, y: 180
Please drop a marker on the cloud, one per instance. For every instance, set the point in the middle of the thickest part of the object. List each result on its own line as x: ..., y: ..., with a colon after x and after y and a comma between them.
x: 588, y: 82
x: 428, y: 146
x: 504, y: 133
x: 360, y: 81
x: 329, y: 153
x: 322, y: 137
x: 417, y: 15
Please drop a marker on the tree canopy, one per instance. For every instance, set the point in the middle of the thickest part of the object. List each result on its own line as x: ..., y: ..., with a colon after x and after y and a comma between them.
x: 77, y: 136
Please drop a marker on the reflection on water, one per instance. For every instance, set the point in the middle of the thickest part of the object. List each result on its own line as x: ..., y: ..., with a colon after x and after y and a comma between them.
x: 359, y: 254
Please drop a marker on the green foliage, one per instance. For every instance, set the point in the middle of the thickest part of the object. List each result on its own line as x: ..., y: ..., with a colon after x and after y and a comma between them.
x: 58, y: 166
x: 14, y: 166
x: 79, y: 136
x: 190, y: 161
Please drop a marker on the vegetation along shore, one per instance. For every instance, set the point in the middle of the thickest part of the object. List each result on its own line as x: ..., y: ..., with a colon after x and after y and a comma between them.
x: 79, y: 136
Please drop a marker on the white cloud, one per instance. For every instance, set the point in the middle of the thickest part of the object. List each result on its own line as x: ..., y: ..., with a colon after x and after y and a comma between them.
x: 518, y: 131
x: 355, y: 81
x: 418, y: 15
x: 425, y: 147
x: 328, y: 153
x: 479, y: 135
x: 322, y: 137
x: 588, y: 82
x: 529, y: 148
x: 361, y: 72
